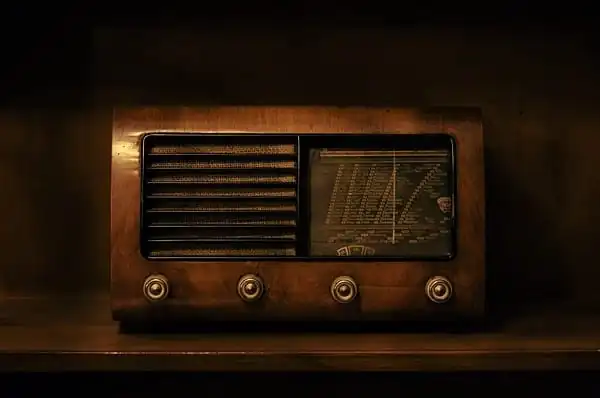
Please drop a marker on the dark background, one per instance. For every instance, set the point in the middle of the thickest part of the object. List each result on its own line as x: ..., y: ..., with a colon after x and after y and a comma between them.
x: 309, y: 384
x: 535, y: 78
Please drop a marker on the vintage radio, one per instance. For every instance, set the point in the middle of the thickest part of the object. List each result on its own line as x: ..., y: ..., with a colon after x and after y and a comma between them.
x: 297, y: 213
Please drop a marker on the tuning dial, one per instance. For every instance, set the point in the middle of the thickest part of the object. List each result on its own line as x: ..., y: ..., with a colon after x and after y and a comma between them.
x: 438, y: 289
x: 344, y: 289
x: 156, y: 287
x: 250, y: 288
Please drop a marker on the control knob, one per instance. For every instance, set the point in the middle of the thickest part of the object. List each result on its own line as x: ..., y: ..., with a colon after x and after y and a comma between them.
x: 344, y: 289
x: 156, y: 287
x: 438, y: 289
x: 250, y: 288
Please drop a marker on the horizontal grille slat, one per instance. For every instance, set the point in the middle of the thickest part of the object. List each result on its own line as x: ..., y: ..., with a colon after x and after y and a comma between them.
x: 226, y: 252
x: 263, y: 205
x: 219, y: 196
x: 220, y: 165
x: 208, y: 233
x: 191, y: 192
x: 225, y: 150
x: 259, y: 239
x: 248, y: 209
x: 228, y: 224
x: 223, y: 179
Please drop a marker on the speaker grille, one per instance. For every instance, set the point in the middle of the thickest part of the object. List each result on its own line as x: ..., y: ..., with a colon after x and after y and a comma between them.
x: 219, y: 196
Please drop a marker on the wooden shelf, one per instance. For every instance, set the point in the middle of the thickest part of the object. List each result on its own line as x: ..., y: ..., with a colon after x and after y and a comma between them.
x: 50, y: 334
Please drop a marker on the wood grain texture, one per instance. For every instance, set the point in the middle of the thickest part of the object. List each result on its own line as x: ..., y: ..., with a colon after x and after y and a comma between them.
x: 296, y: 290
x: 65, y: 334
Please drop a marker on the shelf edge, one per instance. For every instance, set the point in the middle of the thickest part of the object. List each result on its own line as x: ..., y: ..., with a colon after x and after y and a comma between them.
x: 330, y: 361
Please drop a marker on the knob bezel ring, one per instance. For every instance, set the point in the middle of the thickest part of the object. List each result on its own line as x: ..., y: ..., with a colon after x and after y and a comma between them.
x: 344, y: 281
x: 435, y: 281
x: 244, y: 281
x: 162, y: 281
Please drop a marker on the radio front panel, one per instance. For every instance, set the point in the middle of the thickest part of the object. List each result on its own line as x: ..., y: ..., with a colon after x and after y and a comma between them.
x: 297, y: 214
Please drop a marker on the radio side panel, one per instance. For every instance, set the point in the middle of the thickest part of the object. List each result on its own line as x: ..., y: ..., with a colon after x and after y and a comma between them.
x: 296, y: 290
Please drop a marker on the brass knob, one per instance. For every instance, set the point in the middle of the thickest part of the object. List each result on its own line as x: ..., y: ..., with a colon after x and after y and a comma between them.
x: 156, y: 287
x: 438, y: 289
x: 250, y: 288
x: 344, y: 289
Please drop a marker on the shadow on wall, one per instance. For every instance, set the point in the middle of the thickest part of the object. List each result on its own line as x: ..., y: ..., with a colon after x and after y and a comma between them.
x: 526, y: 268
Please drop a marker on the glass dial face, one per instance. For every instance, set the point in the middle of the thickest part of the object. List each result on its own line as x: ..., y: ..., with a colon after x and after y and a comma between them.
x: 383, y: 203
